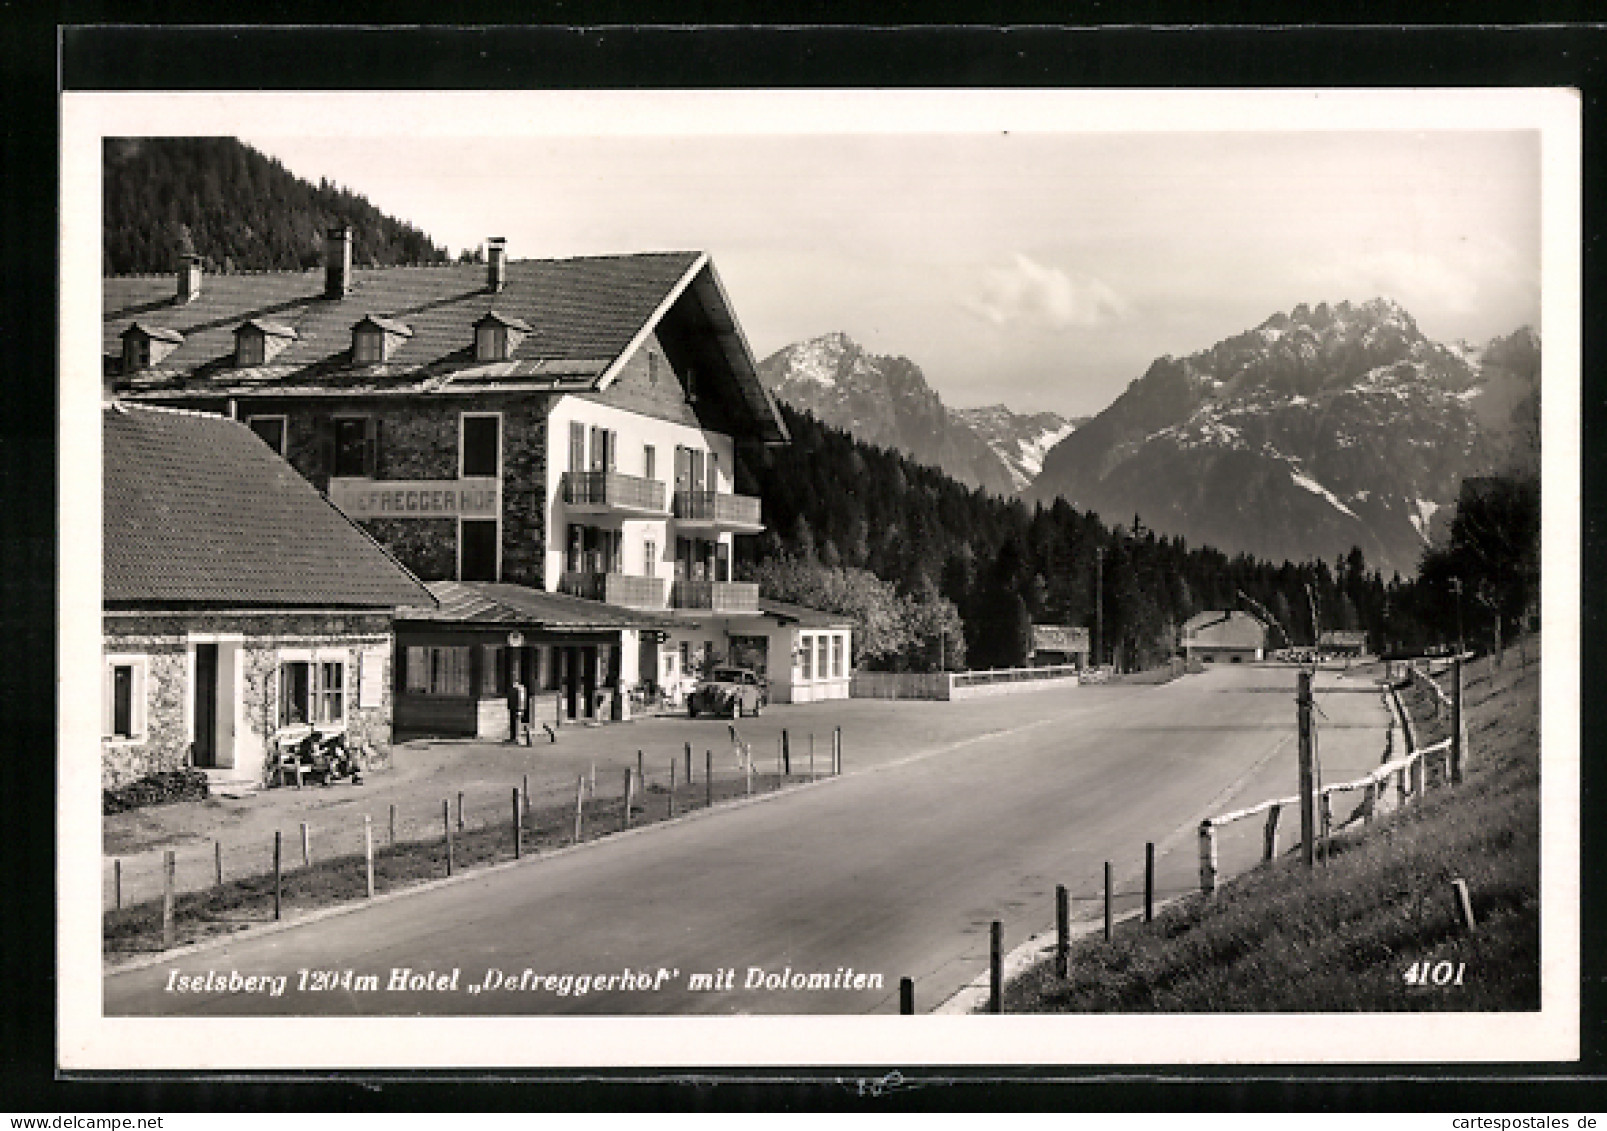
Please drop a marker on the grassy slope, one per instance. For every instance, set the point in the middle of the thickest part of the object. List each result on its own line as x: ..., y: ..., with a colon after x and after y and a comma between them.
x: 1343, y: 938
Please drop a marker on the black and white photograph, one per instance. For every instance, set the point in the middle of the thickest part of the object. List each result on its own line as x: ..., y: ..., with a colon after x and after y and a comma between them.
x: 761, y: 577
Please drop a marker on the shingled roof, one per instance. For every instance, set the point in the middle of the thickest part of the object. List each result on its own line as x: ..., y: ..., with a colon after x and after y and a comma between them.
x: 585, y: 315
x: 493, y: 602
x: 199, y: 512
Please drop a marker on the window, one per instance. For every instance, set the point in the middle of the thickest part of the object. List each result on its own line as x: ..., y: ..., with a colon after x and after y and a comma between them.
x: 438, y: 671
x: 312, y: 692
x: 820, y: 663
x: 477, y: 549
x: 480, y: 446
x: 577, y: 446
x: 272, y: 429
x: 355, y: 443
x: 368, y: 347
x: 837, y: 655
x: 493, y: 670
x: 248, y: 349
x: 123, y: 698
x: 136, y: 353
x: 604, y: 446
x: 490, y: 342
x: 650, y: 558
x: 649, y: 462
x: 806, y: 647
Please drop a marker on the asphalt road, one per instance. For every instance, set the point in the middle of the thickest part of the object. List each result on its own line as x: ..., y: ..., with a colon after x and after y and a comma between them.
x: 891, y: 871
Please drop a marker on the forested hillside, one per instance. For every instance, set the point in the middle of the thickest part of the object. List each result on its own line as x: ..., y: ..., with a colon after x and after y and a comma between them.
x: 236, y: 208
x: 842, y: 506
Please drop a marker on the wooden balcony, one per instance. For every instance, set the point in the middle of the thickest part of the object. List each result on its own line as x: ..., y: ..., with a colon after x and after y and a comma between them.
x: 715, y: 596
x: 609, y: 492
x: 715, y: 510
x: 621, y: 589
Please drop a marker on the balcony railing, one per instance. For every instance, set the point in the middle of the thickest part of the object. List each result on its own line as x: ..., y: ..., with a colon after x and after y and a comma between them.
x: 718, y: 509
x: 715, y: 596
x: 611, y: 491
x: 622, y: 589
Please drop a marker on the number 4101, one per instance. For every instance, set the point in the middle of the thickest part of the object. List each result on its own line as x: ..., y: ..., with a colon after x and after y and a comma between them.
x: 1435, y: 973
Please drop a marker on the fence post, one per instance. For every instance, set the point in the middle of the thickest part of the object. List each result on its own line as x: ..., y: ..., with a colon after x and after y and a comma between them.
x: 306, y: 845
x: 117, y: 884
x: 580, y: 805
x: 1457, y: 751
x: 460, y: 810
x: 1062, y: 931
x: 525, y: 793
x: 641, y: 773
x: 1327, y: 825
x: 837, y: 751
x: 1110, y: 895
x: 1464, y: 905
x: 169, y: 866
x: 672, y: 787
x: 1269, y: 835
x: 786, y: 754
x: 1149, y: 881
x: 1308, y: 822
x: 811, y: 755
x: 688, y: 763
x: 278, y: 874
x: 748, y: 766
x: 368, y: 852
x: 1207, y: 857
x: 446, y: 822
x: 393, y: 824
x: 217, y: 853
x: 1369, y: 799
x: 518, y: 824
x: 906, y: 996
x: 708, y: 778
x: 996, y: 967
x: 627, y: 822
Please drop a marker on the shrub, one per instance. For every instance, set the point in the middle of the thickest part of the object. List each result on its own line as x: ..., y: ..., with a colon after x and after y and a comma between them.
x: 155, y: 789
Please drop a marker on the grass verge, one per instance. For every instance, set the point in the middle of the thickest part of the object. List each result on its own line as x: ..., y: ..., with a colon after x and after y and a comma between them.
x: 1348, y: 935
x: 236, y: 905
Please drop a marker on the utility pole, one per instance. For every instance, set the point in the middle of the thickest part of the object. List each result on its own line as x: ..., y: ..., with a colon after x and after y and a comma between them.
x: 1099, y: 607
x: 1456, y: 587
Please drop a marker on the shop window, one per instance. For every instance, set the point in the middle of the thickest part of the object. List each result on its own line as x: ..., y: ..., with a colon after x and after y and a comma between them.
x: 477, y: 549
x: 312, y: 692
x: 356, y: 440
x: 836, y: 656
x: 481, y: 447
x: 438, y: 671
x: 806, y: 649
x: 820, y: 663
x: 123, y: 700
x: 272, y: 429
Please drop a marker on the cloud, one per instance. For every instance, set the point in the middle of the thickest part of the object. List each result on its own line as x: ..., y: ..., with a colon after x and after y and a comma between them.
x: 1452, y: 281
x: 1028, y: 294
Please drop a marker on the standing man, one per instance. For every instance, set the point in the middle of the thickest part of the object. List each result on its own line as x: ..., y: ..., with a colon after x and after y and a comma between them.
x: 518, y: 720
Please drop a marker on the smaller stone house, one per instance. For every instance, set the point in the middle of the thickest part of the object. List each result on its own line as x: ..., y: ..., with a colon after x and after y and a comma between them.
x: 1224, y: 638
x: 236, y: 602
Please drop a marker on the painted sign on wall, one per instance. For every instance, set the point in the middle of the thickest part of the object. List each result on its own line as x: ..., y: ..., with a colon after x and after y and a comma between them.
x: 368, y: 498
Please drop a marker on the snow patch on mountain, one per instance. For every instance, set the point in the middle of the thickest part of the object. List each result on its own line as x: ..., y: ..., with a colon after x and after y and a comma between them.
x: 1303, y: 480
x: 1423, y: 514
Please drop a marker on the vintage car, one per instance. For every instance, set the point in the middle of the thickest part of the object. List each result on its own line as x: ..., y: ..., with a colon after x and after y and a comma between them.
x: 728, y: 691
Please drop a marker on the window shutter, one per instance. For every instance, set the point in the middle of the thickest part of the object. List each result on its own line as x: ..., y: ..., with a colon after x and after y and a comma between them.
x: 612, y: 446
x: 683, y: 464
x: 108, y: 707
x: 577, y: 446
x: 136, y: 697
x: 370, y: 680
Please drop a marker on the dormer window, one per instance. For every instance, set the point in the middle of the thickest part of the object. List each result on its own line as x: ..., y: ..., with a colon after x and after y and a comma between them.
x: 144, y: 345
x: 257, y: 342
x: 496, y: 336
x: 374, y: 338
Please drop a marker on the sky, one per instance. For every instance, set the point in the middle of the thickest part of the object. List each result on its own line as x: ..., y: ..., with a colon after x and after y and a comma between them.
x: 1044, y: 269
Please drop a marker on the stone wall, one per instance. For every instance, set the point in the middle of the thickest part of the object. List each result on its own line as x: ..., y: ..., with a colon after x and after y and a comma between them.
x: 164, y: 641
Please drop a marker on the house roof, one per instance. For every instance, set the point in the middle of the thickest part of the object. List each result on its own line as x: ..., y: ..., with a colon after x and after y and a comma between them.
x: 272, y: 329
x: 1223, y: 629
x: 587, y: 316
x: 489, y: 602
x: 803, y: 616
x: 197, y: 510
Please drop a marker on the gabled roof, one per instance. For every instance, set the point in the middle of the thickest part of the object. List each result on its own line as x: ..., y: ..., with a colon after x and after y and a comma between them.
x: 586, y: 318
x: 389, y: 325
x: 161, y: 333
x: 272, y: 329
x: 497, y: 317
x: 492, y: 602
x: 803, y: 616
x: 198, y: 511
x: 1223, y: 629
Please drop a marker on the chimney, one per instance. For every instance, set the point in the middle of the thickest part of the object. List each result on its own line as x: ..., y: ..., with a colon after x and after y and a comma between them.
x: 496, y: 254
x: 337, y: 261
x: 189, y: 277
